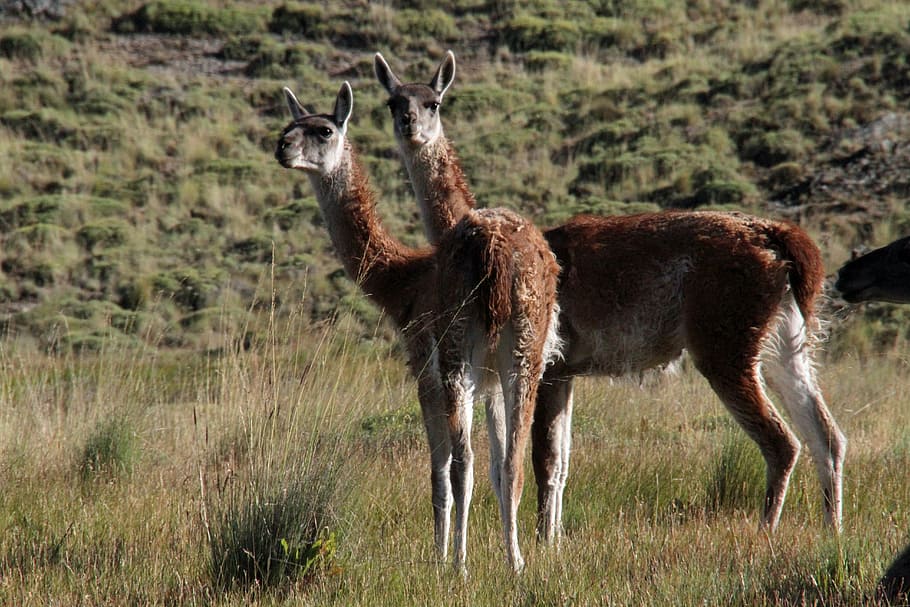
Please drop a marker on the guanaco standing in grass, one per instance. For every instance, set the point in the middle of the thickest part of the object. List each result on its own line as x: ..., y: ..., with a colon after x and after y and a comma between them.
x: 479, y: 306
x: 737, y: 292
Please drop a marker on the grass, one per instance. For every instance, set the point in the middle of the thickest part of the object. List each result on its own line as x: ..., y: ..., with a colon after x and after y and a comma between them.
x: 170, y: 109
x: 295, y: 472
x: 170, y: 435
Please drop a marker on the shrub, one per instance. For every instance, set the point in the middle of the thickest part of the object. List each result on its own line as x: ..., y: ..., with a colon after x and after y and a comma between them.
x: 253, y: 249
x: 38, y: 272
x: 40, y: 210
x: 529, y: 32
x: 738, y: 478
x: 276, y: 525
x: 43, y: 125
x: 299, y: 19
x: 188, y: 17
x: 430, y: 23
x: 102, y: 234
x: 186, y: 287
x: 110, y: 450
x: 132, y: 294
x: 774, y: 147
x: 20, y: 45
x: 548, y: 60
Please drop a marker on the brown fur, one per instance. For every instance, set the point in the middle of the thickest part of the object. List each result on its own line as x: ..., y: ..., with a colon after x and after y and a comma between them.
x: 493, y: 269
x: 388, y: 271
x: 806, y: 272
x: 481, y: 248
x: 720, y: 279
x: 453, y: 199
x: 636, y: 291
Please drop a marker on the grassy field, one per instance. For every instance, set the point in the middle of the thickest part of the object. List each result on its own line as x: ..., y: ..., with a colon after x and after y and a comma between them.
x: 134, y: 478
x: 140, y: 200
x: 197, y: 407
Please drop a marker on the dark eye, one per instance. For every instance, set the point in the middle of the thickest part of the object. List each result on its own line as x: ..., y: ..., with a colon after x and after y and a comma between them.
x: 324, y: 132
x: 432, y: 106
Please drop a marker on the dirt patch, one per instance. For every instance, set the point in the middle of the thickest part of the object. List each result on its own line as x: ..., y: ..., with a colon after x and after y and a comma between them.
x: 860, y: 173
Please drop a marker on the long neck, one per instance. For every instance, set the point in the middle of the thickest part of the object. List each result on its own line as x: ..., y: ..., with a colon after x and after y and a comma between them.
x: 387, y: 270
x: 439, y: 184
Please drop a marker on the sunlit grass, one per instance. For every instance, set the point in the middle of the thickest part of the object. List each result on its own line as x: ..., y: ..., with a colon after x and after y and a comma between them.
x: 662, y: 505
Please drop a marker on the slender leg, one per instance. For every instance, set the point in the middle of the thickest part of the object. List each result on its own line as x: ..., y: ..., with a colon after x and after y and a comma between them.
x: 496, y: 430
x: 551, y: 442
x: 429, y: 392
x: 790, y: 374
x: 519, y: 375
x: 459, y: 389
x: 747, y: 402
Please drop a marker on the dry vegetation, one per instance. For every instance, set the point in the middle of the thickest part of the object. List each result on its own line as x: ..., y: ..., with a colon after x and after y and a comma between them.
x: 197, y: 407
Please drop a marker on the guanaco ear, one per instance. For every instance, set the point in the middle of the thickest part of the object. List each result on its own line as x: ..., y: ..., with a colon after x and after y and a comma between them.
x: 344, y: 105
x: 384, y: 74
x: 297, y: 110
x: 445, y: 74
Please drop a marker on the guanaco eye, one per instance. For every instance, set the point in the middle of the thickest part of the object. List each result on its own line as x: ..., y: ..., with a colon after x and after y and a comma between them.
x: 324, y: 132
x: 432, y: 106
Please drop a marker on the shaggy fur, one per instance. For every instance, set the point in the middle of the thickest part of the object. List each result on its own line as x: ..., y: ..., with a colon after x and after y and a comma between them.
x: 636, y: 291
x: 486, y: 298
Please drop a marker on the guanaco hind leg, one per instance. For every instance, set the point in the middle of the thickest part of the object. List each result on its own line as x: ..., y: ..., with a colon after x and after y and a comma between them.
x: 789, y: 371
x: 551, y: 445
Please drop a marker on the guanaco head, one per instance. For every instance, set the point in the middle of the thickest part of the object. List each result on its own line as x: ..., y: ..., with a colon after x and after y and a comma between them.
x: 415, y: 107
x: 315, y: 142
x: 880, y: 275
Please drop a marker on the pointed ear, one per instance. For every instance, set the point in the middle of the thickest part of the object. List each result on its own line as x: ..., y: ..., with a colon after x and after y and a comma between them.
x: 384, y: 75
x: 297, y: 110
x: 445, y: 74
x: 344, y: 105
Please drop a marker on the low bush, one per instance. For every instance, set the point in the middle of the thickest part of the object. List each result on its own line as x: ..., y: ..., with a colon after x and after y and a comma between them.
x: 111, y: 449
x: 188, y: 17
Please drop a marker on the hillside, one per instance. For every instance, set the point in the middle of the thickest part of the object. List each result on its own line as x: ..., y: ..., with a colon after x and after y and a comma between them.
x: 139, y: 199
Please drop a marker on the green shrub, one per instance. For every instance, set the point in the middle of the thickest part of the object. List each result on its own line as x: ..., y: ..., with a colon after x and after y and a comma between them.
x: 241, y: 48
x: 253, y: 249
x: 277, y: 526
x: 133, y: 294
x: 713, y: 187
x: 526, y: 32
x: 230, y: 169
x: 40, y: 210
x: 306, y: 20
x: 187, y: 287
x: 293, y: 214
x: 37, y: 272
x: 43, y: 125
x: 769, y: 148
x: 20, y: 45
x: 431, y: 23
x: 285, y: 61
x: 111, y: 449
x: 548, y: 60
x: 823, y: 7
x: 38, y: 236
x: 738, y: 478
x: 188, y: 17
x: 103, y: 234
x: 785, y: 174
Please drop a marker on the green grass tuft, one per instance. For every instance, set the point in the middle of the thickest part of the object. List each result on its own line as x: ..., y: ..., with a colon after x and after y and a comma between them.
x: 737, y: 481
x: 111, y: 450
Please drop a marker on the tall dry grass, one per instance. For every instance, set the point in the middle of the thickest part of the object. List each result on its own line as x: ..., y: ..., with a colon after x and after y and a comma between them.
x: 292, y: 469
